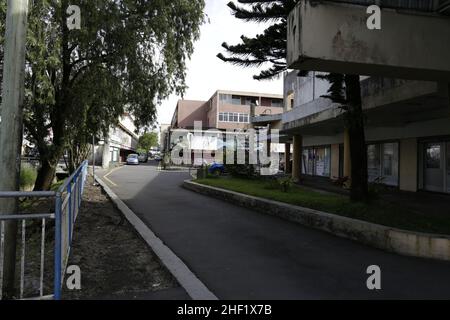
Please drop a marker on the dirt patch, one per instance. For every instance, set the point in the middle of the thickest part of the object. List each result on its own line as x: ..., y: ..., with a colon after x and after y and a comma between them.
x: 114, y: 260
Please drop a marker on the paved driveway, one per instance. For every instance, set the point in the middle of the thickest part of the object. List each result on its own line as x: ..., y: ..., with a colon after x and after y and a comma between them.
x: 242, y: 254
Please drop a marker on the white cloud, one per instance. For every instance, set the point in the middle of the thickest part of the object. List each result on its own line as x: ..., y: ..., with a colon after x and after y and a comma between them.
x: 206, y: 73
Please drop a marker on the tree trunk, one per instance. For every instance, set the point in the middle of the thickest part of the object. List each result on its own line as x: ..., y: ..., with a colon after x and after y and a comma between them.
x: 45, y: 176
x: 358, y: 152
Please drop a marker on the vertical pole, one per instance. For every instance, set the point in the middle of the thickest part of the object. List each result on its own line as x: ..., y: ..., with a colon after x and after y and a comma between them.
x: 70, y: 195
x: 11, y: 113
x: 287, y: 158
x: 58, y: 238
x: 347, y: 159
x: 93, y: 157
x: 297, y: 158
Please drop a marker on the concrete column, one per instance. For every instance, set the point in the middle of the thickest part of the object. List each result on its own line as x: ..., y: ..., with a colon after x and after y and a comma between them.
x: 106, y: 155
x: 347, y: 158
x: 287, y: 158
x: 408, y: 165
x: 334, y: 161
x: 297, y: 158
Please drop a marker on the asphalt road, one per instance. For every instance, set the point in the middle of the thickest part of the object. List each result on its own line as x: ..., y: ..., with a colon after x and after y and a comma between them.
x: 242, y: 254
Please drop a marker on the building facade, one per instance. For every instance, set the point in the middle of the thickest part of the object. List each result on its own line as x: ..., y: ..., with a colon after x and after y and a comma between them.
x: 405, y: 97
x: 226, y: 110
x: 120, y: 142
x: 206, y: 122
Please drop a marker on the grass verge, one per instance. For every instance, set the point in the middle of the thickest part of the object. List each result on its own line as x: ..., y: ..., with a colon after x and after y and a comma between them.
x: 377, y: 211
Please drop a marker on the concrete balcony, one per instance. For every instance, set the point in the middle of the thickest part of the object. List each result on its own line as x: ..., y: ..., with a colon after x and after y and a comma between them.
x: 333, y: 37
x: 386, y: 102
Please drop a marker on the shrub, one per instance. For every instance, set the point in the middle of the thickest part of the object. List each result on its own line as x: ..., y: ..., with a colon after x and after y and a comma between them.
x: 246, y: 171
x: 28, y: 175
x: 281, y: 183
x: 285, y: 183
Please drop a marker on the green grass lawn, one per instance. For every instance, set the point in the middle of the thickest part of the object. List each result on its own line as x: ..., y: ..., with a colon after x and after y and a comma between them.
x: 376, y: 211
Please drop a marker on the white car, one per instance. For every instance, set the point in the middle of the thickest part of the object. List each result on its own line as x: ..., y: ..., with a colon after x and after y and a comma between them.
x: 133, y: 159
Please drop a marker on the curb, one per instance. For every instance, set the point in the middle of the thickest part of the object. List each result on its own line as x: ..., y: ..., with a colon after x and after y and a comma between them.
x: 188, y: 280
x: 404, y: 242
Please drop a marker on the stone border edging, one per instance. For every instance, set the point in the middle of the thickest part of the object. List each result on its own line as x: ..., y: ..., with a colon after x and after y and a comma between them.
x: 188, y: 280
x: 399, y: 241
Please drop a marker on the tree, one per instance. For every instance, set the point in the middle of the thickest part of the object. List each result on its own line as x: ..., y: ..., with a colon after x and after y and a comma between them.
x: 270, y: 48
x: 127, y: 57
x: 147, y: 141
x: 266, y: 48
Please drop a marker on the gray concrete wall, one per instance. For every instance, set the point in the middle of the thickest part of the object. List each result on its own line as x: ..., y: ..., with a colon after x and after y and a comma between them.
x: 333, y: 37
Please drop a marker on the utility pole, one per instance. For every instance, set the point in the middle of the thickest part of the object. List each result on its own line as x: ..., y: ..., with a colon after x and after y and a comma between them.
x: 11, y: 114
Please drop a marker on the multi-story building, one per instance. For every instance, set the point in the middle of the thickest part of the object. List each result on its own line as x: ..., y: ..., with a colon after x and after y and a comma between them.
x: 407, y: 121
x: 226, y: 110
x: 229, y: 111
x: 120, y: 142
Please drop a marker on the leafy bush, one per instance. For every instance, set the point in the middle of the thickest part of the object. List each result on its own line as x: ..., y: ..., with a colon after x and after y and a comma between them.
x: 246, y: 171
x: 285, y: 183
x: 28, y: 175
x: 280, y: 183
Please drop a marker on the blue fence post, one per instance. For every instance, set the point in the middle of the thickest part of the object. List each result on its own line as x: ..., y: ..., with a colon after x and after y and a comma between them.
x: 57, y: 278
x: 69, y: 191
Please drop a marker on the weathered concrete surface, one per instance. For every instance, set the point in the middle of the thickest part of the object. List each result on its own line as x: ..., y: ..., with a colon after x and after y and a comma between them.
x: 390, y: 239
x: 333, y: 37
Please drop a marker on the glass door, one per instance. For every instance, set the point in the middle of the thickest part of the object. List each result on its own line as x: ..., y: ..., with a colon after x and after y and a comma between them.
x: 434, y: 167
x: 390, y: 164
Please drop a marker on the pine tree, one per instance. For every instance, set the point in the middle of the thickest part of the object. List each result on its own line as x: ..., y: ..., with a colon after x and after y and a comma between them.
x: 270, y: 47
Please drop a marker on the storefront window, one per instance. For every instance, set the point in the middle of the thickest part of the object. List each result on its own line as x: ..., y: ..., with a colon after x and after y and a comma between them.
x: 433, y: 156
x: 373, y: 161
x: 322, y: 162
x: 317, y: 161
x: 388, y: 159
x: 382, y: 163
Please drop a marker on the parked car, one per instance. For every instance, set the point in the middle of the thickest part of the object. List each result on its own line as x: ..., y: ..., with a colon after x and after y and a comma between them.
x: 143, y: 157
x: 133, y: 159
x: 216, y: 169
x: 158, y: 157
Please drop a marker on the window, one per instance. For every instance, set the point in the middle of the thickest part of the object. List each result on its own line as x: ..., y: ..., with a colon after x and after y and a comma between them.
x: 234, y: 117
x: 225, y: 98
x: 388, y: 159
x: 433, y: 157
x: 316, y: 161
x: 382, y: 163
x: 373, y: 161
x: 236, y: 100
x: 322, y: 161
x: 250, y: 100
x: 278, y: 103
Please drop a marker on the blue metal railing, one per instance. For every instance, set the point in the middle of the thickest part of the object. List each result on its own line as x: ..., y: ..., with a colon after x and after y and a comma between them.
x: 67, y: 205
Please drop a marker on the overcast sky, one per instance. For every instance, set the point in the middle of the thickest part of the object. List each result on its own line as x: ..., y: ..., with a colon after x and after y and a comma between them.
x: 206, y: 73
